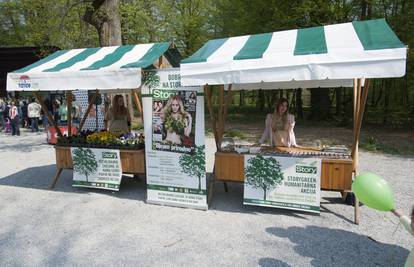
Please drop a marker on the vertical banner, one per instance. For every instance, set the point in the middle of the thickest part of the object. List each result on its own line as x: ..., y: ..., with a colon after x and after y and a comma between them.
x: 96, y: 168
x: 282, y: 182
x: 174, y: 140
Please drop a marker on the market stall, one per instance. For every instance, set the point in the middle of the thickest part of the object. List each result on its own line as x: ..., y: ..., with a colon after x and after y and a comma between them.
x: 115, y: 69
x: 340, y: 55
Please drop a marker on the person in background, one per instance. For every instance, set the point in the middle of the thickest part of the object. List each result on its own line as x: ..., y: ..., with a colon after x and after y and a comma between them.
x: 34, y: 115
x: 56, y: 105
x: 118, y: 119
x: 2, y: 111
x: 76, y: 110
x: 63, y: 112
x: 14, y: 118
x: 408, y: 224
x: 45, y: 119
x: 279, y: 126
x: 25, y: 118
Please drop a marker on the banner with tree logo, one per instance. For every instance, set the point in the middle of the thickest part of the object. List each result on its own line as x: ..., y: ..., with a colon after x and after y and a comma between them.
x: 174, y: 140
x: 96, y: 168
x: 282, y: 182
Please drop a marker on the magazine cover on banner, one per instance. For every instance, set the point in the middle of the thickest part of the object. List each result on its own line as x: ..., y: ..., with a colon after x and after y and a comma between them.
x: 175, y: 150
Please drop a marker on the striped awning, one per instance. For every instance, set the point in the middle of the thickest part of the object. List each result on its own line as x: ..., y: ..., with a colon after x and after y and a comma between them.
x: 103, y: 68
x: 339, y: 53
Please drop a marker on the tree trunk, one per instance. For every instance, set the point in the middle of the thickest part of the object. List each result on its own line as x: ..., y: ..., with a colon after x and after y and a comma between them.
x: 104, y: 16
x: 241, y: 102
x: 320, y: 104
x: 264, y: 193
x: 199, y: 183
x: 338, y: 101
x: 260, y: 100
x: 386, y: 104
x: 299, y: 103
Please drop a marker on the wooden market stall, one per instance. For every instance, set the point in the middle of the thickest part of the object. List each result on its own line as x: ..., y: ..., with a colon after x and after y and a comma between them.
x: 340, y: 55
x: 115, y: 69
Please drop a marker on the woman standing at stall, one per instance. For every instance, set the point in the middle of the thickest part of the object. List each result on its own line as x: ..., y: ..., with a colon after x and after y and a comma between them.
x: 177, y: 121
x: 279, y: 126
x: 118, y: 119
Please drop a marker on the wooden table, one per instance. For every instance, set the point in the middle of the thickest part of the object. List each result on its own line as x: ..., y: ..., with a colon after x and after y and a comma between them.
x: 336, y: 174
x: 132, y: 161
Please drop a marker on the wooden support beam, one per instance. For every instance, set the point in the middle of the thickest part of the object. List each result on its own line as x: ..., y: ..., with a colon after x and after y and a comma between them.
x: 69, y: 106
x: 360, y: 99
x: 85, y: 116
x: 208, y: 94
x: 226, y: 105
x: 47, y: 112
x: 136, y: 100
x: 220, y: 113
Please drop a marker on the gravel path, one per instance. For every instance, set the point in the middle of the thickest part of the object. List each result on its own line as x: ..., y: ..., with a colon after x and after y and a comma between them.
x: 86, y: 227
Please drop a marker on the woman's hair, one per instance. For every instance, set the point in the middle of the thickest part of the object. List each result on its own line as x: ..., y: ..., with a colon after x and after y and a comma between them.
x: 168, y: 110
x: 118, y: 111
x: 278, y: 104
x: 412, y: 213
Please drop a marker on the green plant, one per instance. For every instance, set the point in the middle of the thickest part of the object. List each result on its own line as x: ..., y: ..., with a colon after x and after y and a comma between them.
x: 151, y: 79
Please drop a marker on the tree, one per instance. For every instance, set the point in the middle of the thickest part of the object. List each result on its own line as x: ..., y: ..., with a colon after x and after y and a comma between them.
x: 194, y: 164
x: 264, y: 173
x: 84, y: 161
x: 104, y: 16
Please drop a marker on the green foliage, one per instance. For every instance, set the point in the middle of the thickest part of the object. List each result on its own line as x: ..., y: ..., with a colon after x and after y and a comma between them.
x: 372, y: 144
x: 174, y: 125
x: 194, y: 164
x: 84, y: 161
x: 45, y: 23
x: 151, y: 79
x: 264, y: 173
x: 236, y: 133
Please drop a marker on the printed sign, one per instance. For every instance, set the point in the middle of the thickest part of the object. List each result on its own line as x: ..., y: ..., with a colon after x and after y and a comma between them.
x: 173, y: 120
x: 96, y: 168
x: 282, y: 182
x: 175, y: 157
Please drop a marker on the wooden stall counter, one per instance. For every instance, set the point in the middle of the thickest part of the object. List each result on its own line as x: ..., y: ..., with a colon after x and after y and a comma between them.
x: 132, y: 161
x: 336, y: 171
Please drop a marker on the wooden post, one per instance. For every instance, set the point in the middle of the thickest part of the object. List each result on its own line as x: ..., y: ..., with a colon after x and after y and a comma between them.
x: 47, y: 112
x: 208, y: 93
x: 69, y: 106
x: 220, y: 113
x: 226, y: 105
x: 85, y: 116
x: 136, y: 100
x: 359, y: 108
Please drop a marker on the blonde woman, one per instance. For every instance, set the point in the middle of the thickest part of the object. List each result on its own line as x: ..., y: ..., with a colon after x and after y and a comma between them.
x: 279, y: 126
x: 177, y: 121
x: 118, y: 119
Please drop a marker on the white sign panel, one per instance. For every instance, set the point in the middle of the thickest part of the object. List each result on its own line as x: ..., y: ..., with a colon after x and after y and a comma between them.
x: 282, y: 182
x: 96, y: 168
x: 174, y: 140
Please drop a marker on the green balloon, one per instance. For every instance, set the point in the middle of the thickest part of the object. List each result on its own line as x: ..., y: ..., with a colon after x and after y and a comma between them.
x: 373, y: 191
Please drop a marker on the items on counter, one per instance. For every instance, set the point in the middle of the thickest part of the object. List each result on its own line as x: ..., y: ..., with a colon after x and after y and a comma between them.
x: 104, y: 139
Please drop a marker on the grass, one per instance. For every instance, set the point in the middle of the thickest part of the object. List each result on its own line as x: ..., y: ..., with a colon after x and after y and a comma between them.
x: 371, y: 144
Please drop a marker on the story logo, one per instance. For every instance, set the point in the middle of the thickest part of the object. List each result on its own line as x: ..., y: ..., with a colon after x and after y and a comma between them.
x: 306, y: 169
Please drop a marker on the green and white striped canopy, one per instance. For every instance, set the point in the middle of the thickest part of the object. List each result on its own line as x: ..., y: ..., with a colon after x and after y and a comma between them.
x: 104, y: 68
x: 325, y: 56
